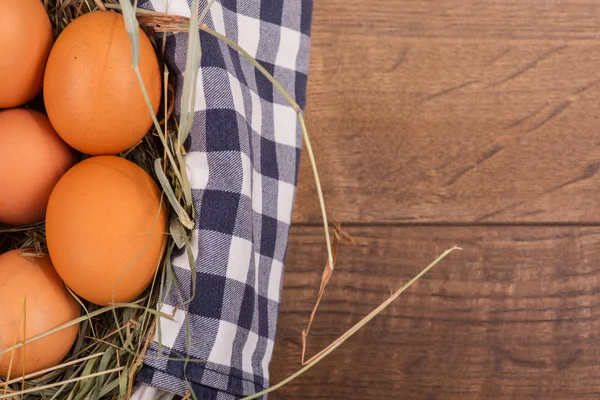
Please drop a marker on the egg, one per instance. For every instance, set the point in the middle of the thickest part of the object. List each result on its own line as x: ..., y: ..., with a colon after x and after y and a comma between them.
x: 32, y: 159
x: 92, y: 95
x: 105, y: 229
x: 26, y: 41
x: 48, y: 305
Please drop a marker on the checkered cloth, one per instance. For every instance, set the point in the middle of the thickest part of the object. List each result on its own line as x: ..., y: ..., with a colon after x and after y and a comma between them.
x: 242, y: 160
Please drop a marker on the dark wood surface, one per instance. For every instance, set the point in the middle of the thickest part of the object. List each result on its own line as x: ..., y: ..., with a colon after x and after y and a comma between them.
x: 475, y: 123
x: 418, y: 108
x: 515, y: 315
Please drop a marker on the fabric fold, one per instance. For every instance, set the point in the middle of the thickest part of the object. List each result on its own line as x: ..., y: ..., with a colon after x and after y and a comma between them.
x: 242, y: 159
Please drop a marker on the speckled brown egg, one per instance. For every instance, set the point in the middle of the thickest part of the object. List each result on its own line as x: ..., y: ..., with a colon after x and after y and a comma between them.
x: 48, y: 305
x: 32, y: 159
x: 92, y: 95
x: 105, y: 228
x: 25, y: 41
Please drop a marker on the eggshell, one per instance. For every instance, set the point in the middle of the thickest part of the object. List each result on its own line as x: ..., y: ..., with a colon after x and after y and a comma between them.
x: 32, y: 159
x: 105, y: 229
x: 92, y: 95
x: 48, y: 305
x: 25, y: 41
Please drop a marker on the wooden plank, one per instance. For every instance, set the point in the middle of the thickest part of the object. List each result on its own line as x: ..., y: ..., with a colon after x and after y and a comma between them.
x: 443, y: 112
x: 514, y: 315
x: 470, y: 19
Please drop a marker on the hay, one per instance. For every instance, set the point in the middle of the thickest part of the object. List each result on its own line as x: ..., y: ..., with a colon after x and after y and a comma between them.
x: 112, y: 340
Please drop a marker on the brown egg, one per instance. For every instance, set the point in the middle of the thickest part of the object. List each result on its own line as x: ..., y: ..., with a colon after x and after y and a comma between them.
x: 91, y: 92
x: 25, y: 41
x: 48, y: 305
x: 105, y: 229
x: 32, y: 159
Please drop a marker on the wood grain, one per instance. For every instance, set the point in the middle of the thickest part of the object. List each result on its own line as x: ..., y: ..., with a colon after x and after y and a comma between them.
x: 471, y: 19
x: 514, y: 315
x: 455, y: 111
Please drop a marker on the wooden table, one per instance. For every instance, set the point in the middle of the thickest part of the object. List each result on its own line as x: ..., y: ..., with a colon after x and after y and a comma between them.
x: 437, y: 123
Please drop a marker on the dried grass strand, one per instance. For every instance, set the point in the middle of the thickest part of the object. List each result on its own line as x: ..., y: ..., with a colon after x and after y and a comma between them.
x: 339, y: 341
x: 100, y: 5
x: 63, y: 365
x: 12, y: 353
x: 24, y: 352
x: 78, y: 379
x: 327, y: 274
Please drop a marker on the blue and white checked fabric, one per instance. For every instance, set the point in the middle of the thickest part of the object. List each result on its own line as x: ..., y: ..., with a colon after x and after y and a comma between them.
x: 242, y: 160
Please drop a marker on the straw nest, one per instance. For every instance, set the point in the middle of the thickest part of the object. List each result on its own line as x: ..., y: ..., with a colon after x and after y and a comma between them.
x: 112, y: 340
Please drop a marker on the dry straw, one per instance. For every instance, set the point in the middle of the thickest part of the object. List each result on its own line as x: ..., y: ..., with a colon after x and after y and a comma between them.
x: 112, y: 340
